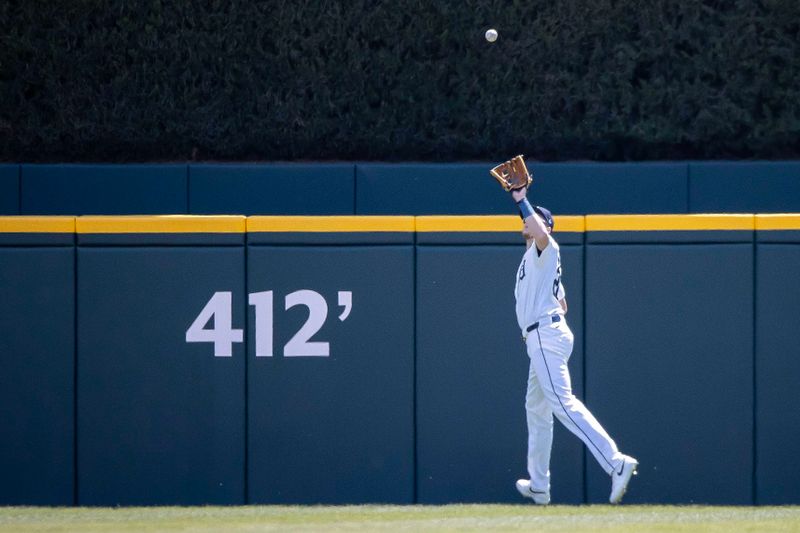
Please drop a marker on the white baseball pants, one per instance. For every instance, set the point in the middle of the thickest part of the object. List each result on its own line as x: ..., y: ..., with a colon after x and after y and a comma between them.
x: 550, y: 393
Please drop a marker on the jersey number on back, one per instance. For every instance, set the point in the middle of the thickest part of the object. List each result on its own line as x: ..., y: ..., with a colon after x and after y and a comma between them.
x: 557, y: 281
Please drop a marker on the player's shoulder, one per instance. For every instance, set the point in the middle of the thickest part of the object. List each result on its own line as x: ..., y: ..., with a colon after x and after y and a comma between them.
x: 551, y: 249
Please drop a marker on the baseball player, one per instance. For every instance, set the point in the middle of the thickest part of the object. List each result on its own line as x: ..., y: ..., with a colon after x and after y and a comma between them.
x: 541, y: 306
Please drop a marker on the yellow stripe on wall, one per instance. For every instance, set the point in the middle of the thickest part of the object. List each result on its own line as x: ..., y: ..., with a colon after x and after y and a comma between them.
x: 569, y: 223
x: 669, y: 222
x: 30, y: 224
x: 348, y: 224
x: 784, y: 221
x: 446, y: 224
x: 332, y: 224
x: 490, y: 223
x: 161, y: 224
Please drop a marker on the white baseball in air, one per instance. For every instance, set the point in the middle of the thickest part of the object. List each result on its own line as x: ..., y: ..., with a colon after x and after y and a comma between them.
x: 491, y: 35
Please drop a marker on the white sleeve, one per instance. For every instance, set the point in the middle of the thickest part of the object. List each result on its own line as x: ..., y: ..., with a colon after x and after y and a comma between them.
x: 560, y: 293
x: 551, y: 248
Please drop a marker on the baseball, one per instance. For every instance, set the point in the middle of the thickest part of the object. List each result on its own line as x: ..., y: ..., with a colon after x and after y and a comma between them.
x: 491, y: 35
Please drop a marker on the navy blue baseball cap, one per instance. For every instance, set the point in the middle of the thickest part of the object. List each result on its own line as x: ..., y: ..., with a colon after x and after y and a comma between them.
x: 546, y: 215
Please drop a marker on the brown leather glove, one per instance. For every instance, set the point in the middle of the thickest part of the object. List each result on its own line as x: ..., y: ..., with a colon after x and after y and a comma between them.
x: 513, y: 174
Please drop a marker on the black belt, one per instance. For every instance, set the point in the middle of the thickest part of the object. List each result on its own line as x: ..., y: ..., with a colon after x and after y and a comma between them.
x: 554, y: 318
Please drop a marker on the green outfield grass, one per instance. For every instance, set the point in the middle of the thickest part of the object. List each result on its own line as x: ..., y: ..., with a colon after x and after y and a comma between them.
x: 631, y: 518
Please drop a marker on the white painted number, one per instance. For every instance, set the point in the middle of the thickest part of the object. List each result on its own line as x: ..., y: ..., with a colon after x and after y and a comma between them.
x: 300, y: 345
x: 263, y: 304
x: 222, y: 334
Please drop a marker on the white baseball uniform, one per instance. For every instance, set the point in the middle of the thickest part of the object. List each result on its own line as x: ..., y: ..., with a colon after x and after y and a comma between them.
x: 538, y: 291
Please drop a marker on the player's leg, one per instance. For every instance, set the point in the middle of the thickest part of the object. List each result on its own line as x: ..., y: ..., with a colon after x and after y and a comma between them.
x: 540, y: 434
x: 549, y: 352
x: 540, y: 443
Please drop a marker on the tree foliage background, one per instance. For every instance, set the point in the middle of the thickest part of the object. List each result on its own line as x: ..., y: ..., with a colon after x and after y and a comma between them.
x: 121, y: 80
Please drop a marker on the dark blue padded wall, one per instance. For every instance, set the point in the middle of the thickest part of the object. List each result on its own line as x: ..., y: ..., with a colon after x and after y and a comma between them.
x: 272, y: 189
x: 566, y: 188
x: 777, y: 373
x: 428, y: 189
x: 744, y: 187
x: 396, y: 188
x: 160, y: 421
x: 9, y: 189
x: 471, y: 377
x: 336, y: 428
x: 37, y: 383
x: 690, y: 363
x: 613, y: 188
x: 669, y: 362
x: 103, y: 189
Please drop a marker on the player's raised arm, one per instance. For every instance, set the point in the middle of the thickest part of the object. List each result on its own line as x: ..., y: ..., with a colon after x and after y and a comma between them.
x: 513, y: 176
x: 535, y: 227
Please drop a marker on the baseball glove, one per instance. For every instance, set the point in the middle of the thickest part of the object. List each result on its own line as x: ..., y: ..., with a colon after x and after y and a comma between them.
x: 513, y: 174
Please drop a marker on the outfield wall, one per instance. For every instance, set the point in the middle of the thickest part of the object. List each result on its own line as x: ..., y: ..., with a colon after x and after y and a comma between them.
x: 395, y: 189
x: 233, y: 360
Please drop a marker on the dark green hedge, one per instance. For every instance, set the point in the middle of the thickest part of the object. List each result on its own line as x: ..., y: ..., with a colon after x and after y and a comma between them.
x: 121, y: 80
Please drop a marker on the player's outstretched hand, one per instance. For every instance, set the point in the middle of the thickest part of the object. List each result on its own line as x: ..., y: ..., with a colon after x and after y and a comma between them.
x: 519, y: 194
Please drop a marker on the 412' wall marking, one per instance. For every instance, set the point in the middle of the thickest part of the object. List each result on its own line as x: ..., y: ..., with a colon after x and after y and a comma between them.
x: 223, y: 334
